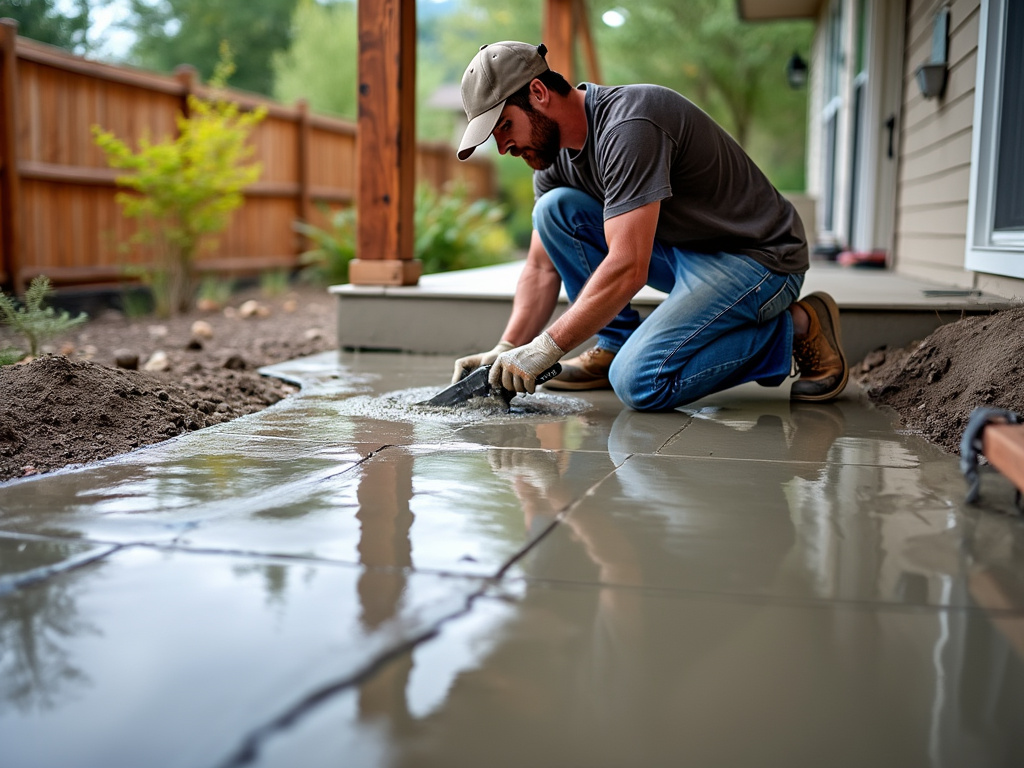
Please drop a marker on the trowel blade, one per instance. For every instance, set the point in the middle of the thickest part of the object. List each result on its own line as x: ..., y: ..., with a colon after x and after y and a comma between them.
x: 475, y: 384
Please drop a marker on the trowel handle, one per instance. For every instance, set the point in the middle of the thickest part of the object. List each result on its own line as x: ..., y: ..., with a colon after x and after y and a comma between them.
x: 550, y: 373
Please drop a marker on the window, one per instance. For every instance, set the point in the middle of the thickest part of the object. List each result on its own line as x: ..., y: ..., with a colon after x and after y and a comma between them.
x: 995, y: 238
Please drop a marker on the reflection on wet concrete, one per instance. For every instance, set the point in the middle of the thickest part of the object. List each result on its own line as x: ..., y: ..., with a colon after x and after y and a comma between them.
x: 313, y: 585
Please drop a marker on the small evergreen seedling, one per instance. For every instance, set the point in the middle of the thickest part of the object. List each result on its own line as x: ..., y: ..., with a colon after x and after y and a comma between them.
x: 32, y: 320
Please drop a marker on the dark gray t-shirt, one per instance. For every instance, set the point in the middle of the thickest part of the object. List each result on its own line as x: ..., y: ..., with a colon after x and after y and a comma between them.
x: 648, y: 143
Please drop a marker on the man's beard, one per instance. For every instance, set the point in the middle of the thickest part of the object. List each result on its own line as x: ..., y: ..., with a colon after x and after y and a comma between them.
x: 545, y: 141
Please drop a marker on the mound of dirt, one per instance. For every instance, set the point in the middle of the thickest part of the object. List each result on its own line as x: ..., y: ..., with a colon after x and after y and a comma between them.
x: 75, y: 406
x: 936, y: 385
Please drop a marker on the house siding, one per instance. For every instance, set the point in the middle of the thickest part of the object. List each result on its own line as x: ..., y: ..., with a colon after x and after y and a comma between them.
x: 933, y: 181
x: 933, y: 185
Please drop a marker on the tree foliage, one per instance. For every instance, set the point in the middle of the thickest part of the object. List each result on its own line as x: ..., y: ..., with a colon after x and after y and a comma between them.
x: 733, y: 69
x: 174, y: 32
x: 62, y: 24
x: 183, y: 190
x: 321, y: 63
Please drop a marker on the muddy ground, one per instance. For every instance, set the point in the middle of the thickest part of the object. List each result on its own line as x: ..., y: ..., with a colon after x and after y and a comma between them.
x: 75, y: 405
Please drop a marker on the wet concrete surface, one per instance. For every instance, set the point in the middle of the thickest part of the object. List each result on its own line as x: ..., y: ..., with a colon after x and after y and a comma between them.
x: 344, y: 579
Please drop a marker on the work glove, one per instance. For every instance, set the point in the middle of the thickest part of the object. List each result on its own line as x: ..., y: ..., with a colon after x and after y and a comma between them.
x: 468, y: 364
x: 517, y: 369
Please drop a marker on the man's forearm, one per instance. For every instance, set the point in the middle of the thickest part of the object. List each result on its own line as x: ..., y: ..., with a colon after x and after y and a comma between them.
x: 616, y: 280
x: 536, y: 296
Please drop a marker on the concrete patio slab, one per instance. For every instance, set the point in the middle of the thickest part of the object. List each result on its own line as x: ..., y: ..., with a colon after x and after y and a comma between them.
x: 553, y: 675
x: 348, y: 579
x: 156, y: 657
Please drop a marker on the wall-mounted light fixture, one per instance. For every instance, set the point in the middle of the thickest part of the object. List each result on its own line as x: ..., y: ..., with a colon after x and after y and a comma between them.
x: 796, y: 71
x: 931, y: 77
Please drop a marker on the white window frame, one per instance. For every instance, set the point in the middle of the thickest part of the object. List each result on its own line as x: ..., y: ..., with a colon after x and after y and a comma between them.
x: 999, y: 253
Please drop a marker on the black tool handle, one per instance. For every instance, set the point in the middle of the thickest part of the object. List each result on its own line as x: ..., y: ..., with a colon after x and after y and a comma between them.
x: 550, y: 373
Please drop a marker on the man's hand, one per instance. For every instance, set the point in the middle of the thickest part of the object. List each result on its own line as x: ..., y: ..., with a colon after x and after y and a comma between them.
x: 517, y: 369
x: 468, y: 364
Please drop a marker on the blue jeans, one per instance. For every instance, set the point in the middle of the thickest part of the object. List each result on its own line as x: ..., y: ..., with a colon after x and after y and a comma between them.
x: 723, y: 323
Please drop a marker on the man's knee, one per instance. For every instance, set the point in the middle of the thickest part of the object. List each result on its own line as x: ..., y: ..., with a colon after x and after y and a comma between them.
x: 559, y: 206
x: 638, y: 391
x: 653, y: 392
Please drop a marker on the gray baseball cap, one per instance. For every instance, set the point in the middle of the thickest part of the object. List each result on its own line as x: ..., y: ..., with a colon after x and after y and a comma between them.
x: 496, y: 72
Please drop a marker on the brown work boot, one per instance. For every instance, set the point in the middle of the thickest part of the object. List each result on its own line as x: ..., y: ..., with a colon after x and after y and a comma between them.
x: 588, y: 371
x: 819, y: 353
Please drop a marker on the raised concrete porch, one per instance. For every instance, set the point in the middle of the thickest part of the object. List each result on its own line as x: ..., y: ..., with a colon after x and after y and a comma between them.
x: 460, y: 312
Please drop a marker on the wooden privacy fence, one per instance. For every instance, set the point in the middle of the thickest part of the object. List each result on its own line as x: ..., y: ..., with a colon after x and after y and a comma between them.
x: 58, y: 214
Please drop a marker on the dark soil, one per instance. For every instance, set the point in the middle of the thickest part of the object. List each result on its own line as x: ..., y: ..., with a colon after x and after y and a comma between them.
x: 74, y: 405
x: 936, y: 385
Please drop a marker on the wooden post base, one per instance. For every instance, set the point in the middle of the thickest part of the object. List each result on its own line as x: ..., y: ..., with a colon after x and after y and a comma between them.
x: 1003, y: 445
x: 384, y: 271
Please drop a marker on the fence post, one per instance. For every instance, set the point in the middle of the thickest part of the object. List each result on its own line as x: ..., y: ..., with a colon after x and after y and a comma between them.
x: 304, y: 199
x: 187, y: 75
x: 10, y: 183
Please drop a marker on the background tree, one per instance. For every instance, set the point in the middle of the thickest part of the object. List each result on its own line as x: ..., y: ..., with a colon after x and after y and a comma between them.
x: 173, y: 32
x: 61, y: 24
x: 734, y: 70
x: 321, y: 63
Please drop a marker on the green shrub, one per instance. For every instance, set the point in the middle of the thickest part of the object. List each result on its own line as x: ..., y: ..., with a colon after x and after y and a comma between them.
x: 274, y: 282
x: 184, y: 190
x: 450, y: 232
x: 333, y: 248
x: 215, y: 290
x: 11, y: 355
x: 36, y: 323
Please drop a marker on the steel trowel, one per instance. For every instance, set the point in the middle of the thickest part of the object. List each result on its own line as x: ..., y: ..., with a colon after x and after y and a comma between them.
x: 476, y: 384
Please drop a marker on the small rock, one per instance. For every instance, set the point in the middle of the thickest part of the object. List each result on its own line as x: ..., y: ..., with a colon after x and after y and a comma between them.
x: 253, y: 308
x: 125, y: 358
x: 312, y: 334
x: 67, y: 349
x: 202, y: 329
x: 207, y: 305
x: 874, y: 359
x: 235, y: 362
x: 157, y: 331
x: 89, y: 350
x: 290, y: 305
x: 158, y: 361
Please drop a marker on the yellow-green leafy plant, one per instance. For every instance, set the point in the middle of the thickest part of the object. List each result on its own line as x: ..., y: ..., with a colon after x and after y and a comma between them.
x: 34, y: 321
x: 184, y: 190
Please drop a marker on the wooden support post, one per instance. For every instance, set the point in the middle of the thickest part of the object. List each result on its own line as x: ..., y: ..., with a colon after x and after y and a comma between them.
x: 303, y: 202
x: 386, y: 144
x: 558, y: 37
x: 10, y: 183
x: 589, y: 50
